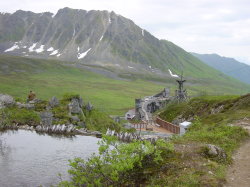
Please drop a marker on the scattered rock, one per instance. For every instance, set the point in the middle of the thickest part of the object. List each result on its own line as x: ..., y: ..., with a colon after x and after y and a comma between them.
x: 74, y: 106
x: 178, y: 120
x: 217, y: 110
x: 34, y: 101
x: 27, y: 106
x: 89, y: 106
x: 54, y: 102
x: 81, y: 124
x: 80, y: 100
x: 6, y: 100
x: 215, y: 152
x: 75, y: 118
x: 46, y: 118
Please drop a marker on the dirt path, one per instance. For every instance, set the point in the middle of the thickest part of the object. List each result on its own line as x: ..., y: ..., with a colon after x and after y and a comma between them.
x: 238, y: 175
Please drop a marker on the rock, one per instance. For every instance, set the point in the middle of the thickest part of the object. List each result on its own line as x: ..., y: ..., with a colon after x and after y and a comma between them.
x: 38, y: 128
x: 98, y: 135
x: 89, y: 106
x: 34, y: 101
x: 217, y: 110
x: 63, y: 129
x: 74, y: 106
x: 6, y: 100
x: 70, y: 128
x: 213, y: 151
x: 46, y: 118
x: 80, y: 102
x: 75, y: 118
x: 178, y: 120
x: 27, y: 106
x: 81, y: 124
x: 54, y: 102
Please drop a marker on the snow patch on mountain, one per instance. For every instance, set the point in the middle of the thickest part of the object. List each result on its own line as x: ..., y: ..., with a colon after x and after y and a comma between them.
x: 142, y: 32
x: 101, y: 38
x: 82, y: 55
x: 110, y: 20
x: 172, y: 75
x: 15, y: 46
x: 54, y: 52
x: 31, y: 48
x: 50, y: 49
x: 40, y: 49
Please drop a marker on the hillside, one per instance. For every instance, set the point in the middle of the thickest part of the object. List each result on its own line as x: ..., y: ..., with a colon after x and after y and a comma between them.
x: 98, y: 38
x: 228, y: 66
x: 216, y: 120
x: 19, y: 75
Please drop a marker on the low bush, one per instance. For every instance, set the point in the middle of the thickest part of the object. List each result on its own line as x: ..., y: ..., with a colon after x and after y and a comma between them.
x: 119, y: 164
x: 20, y: 116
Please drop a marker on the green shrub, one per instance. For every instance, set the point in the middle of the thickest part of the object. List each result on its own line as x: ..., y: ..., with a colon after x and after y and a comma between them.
x: 22, y: 116
x: 119, y: 164
x: 99, y: 121
x: 69, y: 96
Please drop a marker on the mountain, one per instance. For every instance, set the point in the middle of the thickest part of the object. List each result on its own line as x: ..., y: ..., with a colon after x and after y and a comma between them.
x: 105, y: 43
x: 228, y: 66
x: 96, y: 38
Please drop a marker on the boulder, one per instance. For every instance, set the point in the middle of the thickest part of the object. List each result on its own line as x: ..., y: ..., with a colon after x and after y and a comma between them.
x: 213, y: 151
x: 27, y: 106
x: 46, y: 118
x: 53, y: 102
x: 70, y: 128
x: 81, y: 124
x: 34, y: 101
x: 6, y: 100
x: 75, y: 118
x: 80, y: 102
x: 74, y: 106
x: 89, y: 106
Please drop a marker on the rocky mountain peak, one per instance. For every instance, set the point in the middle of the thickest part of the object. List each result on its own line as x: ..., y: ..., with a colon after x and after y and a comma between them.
x: 95, y: 37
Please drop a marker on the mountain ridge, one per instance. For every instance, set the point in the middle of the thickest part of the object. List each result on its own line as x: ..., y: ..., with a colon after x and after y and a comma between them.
x: 226, y: 65
x: 94, y: 37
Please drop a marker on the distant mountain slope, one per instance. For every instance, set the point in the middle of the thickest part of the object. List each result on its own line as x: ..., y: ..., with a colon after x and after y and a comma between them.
x: 98, y: 38
x: 228, y: 66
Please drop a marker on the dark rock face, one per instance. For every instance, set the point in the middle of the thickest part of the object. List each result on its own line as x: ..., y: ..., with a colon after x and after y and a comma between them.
x: 6, y: 100
x: 53, y: 102
x: 46, y: 118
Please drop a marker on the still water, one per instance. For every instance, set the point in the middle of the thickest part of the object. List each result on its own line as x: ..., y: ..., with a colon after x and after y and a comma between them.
x: 31, y: 159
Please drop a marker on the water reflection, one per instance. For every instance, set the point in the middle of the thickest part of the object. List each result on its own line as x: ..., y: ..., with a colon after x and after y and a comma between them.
x: 31, y: 159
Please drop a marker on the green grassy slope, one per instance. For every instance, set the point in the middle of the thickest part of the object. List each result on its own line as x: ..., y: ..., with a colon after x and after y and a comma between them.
x: 48, y: 78
x: 18, y: 75
x: 212, y: 125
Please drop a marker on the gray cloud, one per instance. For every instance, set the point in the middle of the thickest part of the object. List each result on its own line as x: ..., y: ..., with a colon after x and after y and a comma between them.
x: 203, y: 26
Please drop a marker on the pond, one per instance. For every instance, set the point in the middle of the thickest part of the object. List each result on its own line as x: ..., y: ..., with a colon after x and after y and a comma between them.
x: 31, y: 159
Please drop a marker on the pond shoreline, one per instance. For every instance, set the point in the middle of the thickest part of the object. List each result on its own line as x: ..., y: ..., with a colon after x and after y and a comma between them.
x: 54, y: 129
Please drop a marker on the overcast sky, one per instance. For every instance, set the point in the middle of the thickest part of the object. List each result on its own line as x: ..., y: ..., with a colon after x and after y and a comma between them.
x: 202, y: 26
